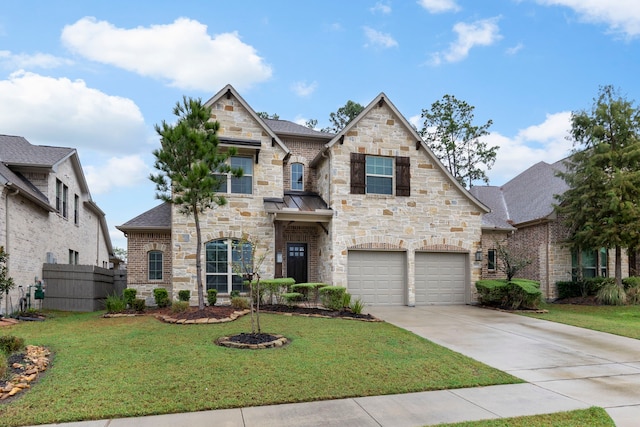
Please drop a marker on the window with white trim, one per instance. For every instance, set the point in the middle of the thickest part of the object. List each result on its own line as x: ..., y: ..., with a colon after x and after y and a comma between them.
x: 221, y: 255
x: 379, y: 175
x: 297, y: 176
x: 235, y: 185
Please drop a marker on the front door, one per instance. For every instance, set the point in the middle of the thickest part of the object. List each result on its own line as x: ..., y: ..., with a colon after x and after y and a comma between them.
x: 297, y: 261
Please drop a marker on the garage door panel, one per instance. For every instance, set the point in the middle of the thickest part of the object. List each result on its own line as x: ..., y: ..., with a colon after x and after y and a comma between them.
x: 377, y: 278
x: 441, y: 278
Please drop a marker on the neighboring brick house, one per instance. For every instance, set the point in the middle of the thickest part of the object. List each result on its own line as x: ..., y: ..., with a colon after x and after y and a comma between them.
x: 369, y: 208
x: 46, y: 211
x: 523, y: 216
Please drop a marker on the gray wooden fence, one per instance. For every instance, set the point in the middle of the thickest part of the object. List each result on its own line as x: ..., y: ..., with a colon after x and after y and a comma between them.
x: 80, y: 287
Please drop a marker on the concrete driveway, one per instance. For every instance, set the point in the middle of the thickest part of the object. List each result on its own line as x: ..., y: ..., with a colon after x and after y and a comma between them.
x: 596, y: 368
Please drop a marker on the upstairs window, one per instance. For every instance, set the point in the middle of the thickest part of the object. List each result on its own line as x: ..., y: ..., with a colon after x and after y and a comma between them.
x: 62, y: 195
x: 242, y: 185
x: 155, y: 265
x: 76, y: 209
x: 297, y: 176
x: 380, y: 175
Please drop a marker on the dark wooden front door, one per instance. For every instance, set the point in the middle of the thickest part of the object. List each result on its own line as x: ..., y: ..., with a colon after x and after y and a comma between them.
x: 297, y: 261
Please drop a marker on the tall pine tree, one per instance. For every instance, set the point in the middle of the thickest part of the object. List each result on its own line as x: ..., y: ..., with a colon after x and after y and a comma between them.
x: 602, y: 206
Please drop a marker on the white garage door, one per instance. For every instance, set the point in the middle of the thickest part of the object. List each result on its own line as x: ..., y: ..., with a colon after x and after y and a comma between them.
x: 377, y: 278
x: 441, y: 278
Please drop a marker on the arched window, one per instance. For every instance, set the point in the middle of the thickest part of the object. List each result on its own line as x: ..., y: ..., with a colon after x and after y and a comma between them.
x: 155, y: 265
x: 225, y: 259
x: 297, y: 176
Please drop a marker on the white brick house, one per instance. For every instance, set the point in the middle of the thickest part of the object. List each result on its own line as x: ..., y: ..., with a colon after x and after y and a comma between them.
x: 369, y: 208
x: 46, y: 212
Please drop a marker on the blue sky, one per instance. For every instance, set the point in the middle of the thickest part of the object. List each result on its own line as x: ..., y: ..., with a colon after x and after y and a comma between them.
x: 97, y: 75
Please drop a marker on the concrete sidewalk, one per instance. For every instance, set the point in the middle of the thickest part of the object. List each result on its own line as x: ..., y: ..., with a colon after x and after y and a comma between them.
x: 567, y: 368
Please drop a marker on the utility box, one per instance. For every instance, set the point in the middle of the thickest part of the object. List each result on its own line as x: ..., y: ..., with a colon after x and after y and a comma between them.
x: 39, y: 291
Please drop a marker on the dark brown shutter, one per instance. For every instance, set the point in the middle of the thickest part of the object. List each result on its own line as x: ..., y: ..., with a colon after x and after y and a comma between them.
x: 403, y: 176
x: 358, y: 175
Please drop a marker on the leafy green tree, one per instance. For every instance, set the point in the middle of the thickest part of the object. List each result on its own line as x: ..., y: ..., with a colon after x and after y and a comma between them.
x: 121, y: 253
x: 510, y: 260
x: 449, y: 131
x: 186, y: 162
x: 343, y: 116
x: 601, y: 207
x: 311, y: 123
x: 265, y: 115
x: 6, y: 282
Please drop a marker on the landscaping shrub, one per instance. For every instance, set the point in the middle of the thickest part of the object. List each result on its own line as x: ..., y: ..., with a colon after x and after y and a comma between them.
x: 234, y: 293
x: 357, y: 306
x: 570, y: 289
x: 179, y: 306
x: 291, y: 298
x: 310, y: 291
x: 138, y: 305
x: 631, y: 281
x: 332, y: 297
x: 184, y: 295
x: 522, y: 293
x: 4, y: 366
x: 161, y: 295
x: 492, y: 292
x: 633, y: 295
x: 274, y: 288
x: 129, y: 295
x: 10, y: 344
x: 239, y: 303
x: 257, y: 291
x: 611, y: 294
x: 346, y: 299
x: 594, y: 284
x: 212, y: 296
x: 114, y: 303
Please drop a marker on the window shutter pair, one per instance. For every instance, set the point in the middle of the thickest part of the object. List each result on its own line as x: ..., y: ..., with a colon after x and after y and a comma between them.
x: 359, y: 175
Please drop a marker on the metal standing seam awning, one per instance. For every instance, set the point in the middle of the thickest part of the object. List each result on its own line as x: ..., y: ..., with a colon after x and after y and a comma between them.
x: 298, y: 206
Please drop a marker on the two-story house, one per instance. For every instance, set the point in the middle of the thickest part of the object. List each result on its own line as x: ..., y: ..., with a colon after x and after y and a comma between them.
x: 46, y: 212
x: 370, y: 208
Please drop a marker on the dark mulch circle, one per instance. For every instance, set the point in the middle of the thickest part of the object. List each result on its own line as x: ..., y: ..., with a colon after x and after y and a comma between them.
x: 249, y: 338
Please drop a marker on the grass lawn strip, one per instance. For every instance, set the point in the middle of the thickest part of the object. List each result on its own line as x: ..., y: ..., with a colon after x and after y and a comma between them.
x: 618, y: 320
x: 133, y: 366
x: 592, y: 417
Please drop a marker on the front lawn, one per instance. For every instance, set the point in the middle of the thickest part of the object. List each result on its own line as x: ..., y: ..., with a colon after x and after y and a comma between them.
x: 619, y: 320
x: 120, y: 367
x: 592, y: 417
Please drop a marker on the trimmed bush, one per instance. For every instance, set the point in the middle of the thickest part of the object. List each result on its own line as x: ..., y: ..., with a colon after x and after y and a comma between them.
x: 631, y: 281
x: 179, y: 306
x: 519, y: 293
x: 291, y: 298
x: 114, y: 304
x: 184, y: 295
x: 332, y: 297
x: 161, y: 295
x: 310, y: 291
x: 139, y: 305
x: 129, y: 295
x: 492, y: 292
x: 212, y: 297
x: 239, y: 303
x: 594, y: 284
x: 274, y: 288
x: 569, y: 289
x: 611, y: 294
x: 10, y: 344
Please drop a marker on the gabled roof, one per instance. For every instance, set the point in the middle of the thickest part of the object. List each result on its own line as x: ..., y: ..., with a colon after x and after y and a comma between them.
x: 16, y: 182
x: 229, y: 90
x: 286, y: 127
x: 155, y: 219
x: 17, y: 151
x: 498, y: 218
x: 379, y: 100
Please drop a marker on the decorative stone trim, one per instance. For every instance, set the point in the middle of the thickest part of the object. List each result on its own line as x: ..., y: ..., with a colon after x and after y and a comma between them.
x: 443, y: 248
x: 231, y: 318
x: 279, y: 341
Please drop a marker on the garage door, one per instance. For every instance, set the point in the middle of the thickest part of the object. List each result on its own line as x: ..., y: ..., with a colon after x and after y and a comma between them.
x: 378, y: 278
x: 441, y: 278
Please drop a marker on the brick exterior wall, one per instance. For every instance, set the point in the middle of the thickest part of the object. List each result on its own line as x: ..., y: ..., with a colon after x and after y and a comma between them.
x: 302, y: 151
x: 138, y: 246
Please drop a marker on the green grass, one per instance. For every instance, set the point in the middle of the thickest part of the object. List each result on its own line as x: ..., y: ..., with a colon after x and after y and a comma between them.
x: 121, y: 367
x: 618, y: 320
x: 592, y: 417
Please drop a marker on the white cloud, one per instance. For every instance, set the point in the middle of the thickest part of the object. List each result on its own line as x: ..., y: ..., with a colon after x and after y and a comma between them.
x: 126, y: 171
x: 515, y: 49
x: 544, y: 142
x: 182, y: 53
x: 622, y: 16
x: 38, y: 60
x: 377, y: 38
x: 381, y: 7
x: 479, y: 33
x: 58, y: 111
x: 439, y: 6
x: 303, y: 89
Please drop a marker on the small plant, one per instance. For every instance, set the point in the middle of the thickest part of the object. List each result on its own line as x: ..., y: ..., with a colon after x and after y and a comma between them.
x: 184, y: 295
x: 611, y: 294
x: 346, y: 299
x: 239, y: 303
x: 114, y: 304
x: 234, y: 293
x: 4, y: 366
x: 212, y: 297
x: 179, y: 306
x: 161, y: 295
x: 10, y: 344
x: 138, y: 305
x: 311, y: 292
x: 129, y: 295
x: 357, y: 306
x: 633, y: 295
x: 332, y: 297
